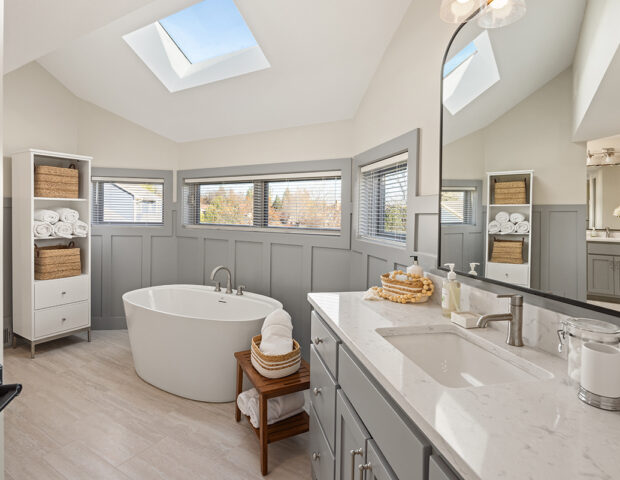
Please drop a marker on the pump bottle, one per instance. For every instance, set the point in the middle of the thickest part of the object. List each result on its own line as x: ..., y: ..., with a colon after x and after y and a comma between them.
x: 450, y: 293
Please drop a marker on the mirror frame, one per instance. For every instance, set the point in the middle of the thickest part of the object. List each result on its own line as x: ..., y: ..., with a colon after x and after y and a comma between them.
x: 480, y: 281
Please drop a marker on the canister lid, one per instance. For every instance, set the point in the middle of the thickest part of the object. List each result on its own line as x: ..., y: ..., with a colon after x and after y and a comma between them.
x: 577, y: 326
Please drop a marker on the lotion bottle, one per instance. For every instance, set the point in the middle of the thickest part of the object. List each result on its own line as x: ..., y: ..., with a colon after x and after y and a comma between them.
x: 472, y: 267
x: 450, y: 293
x: 415, y: 269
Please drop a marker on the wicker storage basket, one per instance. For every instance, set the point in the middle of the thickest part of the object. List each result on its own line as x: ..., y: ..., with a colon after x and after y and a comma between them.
x: 56, y: 182
x: 510, y: 192
x: 415, y: 289
x: 58, y: 261
x: 275, y: 366
x: 507, y: 251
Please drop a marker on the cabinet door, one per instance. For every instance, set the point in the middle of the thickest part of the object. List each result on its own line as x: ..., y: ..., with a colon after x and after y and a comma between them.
x: 351, y: 437
x: 601, y: 274
x: 617, y: 276
x: 376, y: 467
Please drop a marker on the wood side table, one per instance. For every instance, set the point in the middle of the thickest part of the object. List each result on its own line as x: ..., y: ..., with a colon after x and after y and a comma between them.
x: 270, y: 388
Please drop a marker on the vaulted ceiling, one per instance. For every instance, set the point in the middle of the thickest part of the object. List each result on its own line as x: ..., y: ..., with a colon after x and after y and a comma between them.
x: 323, y: 54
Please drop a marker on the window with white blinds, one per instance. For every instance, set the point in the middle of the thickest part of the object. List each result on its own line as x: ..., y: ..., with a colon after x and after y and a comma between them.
x: 127, y: 201
x: 383, y: 199
x: 457, y: 205
x: 309, y: 201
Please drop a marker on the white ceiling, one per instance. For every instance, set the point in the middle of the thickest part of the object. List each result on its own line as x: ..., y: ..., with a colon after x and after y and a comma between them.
x: 529, y: 53
x: 33, y: 28
x: 323, y: 54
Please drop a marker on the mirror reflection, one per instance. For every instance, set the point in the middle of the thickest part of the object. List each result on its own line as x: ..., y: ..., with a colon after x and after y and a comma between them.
x: 530, y: 184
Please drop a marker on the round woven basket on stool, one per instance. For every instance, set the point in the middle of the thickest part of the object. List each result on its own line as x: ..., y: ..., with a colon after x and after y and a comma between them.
x: 275, y: 366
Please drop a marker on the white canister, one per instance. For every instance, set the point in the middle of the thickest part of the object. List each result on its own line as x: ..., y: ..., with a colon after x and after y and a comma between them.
x: 600, y: 369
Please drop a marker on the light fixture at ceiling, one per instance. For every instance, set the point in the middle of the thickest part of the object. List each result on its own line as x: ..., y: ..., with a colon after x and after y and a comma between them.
x: 500, y: 13
x: 457, y: 11
x: 493, y: 13
x: 607, y: 156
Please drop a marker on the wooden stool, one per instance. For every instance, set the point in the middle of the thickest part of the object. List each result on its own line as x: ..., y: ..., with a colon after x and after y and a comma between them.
x: 269, y: 388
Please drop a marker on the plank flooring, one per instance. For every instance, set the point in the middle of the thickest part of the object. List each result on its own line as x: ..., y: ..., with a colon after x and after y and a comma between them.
x: 85, y: 414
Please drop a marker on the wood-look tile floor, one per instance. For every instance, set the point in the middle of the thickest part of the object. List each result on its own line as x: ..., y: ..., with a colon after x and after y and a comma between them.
x: 84, y: 414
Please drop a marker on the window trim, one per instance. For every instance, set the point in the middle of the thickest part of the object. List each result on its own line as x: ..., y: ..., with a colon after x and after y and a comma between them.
x: 129, y: 174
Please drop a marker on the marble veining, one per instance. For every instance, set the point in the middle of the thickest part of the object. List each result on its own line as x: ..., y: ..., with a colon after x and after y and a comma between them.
x: 522, y: 430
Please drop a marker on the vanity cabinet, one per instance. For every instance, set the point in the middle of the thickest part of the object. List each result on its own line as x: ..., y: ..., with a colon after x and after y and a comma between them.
x: 604, y: 270
x: 357, y: 431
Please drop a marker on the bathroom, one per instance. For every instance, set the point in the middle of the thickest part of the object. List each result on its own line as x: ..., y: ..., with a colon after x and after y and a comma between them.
x: 313, y: 174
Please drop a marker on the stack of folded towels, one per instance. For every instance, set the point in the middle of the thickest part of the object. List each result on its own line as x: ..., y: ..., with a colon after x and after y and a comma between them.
x: 277, y: 339
x: 58, y: 222
x: 505, y: 223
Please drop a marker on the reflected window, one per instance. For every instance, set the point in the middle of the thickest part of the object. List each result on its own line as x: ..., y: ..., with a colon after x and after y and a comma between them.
x: 457, y: 206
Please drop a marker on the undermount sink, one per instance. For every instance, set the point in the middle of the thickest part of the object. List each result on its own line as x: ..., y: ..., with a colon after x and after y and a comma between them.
x: 454, y: 360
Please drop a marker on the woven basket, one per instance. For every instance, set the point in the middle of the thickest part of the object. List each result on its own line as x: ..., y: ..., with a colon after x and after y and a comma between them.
x: 58, y: 261
x: 510, y: 192
x: 56, y: 182
x: 507, y: 251
x: 415, y: 289
x: 275, y: 366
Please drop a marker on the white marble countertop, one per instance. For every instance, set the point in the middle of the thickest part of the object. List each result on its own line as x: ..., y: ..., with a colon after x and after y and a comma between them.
x: 526, y: 430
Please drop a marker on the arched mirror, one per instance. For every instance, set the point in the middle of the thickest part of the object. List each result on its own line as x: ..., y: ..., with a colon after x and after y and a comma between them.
x: 520, y: 105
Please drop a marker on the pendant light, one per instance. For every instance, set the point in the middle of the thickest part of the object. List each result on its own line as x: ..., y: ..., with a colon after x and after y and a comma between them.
x: 457, y: 11
x: 500, y: 13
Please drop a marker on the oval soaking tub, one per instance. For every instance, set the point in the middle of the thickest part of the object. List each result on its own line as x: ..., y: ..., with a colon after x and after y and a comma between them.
x: 183, y: 337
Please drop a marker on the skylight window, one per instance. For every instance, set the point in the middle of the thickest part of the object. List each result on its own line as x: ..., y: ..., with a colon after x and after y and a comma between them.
x: 460, y: 58
x: 208, y: 29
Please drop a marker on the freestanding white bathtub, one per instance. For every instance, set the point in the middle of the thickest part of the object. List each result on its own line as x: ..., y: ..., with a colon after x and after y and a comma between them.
x: 183, y: 337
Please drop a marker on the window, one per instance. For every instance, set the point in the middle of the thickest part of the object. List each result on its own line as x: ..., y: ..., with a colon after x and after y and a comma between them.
x: 208, y: 29
x: 383, y: 199
x: 457, y: 206
x: 128, y: 201
x: 309, y: 201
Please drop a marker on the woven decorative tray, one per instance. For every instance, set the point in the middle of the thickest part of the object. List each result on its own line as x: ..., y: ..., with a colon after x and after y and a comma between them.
x: 402, y: 287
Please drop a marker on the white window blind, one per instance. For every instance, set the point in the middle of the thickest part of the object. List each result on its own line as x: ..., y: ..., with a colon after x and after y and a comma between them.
x: 128, y: 201
x: 298, y: 201
x: 383, y: 199
x: 457, y: 206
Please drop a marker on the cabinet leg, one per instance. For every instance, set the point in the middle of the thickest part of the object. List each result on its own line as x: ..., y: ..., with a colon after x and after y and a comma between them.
x: 14, y: 341
x: 88, y: 334
x: 32, y: 349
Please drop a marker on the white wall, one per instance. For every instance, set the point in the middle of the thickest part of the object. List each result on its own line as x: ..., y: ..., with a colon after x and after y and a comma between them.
x: 536, y: 134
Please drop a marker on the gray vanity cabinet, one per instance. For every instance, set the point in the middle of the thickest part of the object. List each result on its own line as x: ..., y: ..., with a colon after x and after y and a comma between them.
x: 351, y: 439
x: 601, y: 273
x: 617, y: 276
x: 376, y: 467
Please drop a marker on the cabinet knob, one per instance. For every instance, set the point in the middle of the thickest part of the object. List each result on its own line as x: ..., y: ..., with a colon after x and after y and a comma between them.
x: 362, y: 468
x: 316, y: 391
x: 316, y: 456
x: 64, y: 319
x: 63, y: 293
x: 317, y: 340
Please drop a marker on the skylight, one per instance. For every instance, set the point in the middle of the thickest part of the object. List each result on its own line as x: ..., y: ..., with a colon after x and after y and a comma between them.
x: 460, y: 58
x: 208, y: 29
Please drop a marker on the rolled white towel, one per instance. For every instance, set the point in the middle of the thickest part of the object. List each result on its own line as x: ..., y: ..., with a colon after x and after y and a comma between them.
x: 67, y: 214
x: 276, y: 340
x: 80, y: 228
x: 502, y: 217
x: 63, y: 229
x: 277, y: 317
x: 372, y: 295
x: 516, y: 217
x: 44, y: 215
x: 523, y: 227
x: 278, y: 408
x: 494, y: 226
x: 41, y: 229
x: 507, y: 227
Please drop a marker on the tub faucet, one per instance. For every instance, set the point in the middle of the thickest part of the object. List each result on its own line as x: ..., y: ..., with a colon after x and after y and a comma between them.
x: 515, y: 319
x: 228, y: 279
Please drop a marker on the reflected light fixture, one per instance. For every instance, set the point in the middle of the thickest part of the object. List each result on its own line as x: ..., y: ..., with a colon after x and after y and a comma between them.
x: 500, y: 13
x: 617, y: 211
x: 457, y: 11
x: 607, y: 156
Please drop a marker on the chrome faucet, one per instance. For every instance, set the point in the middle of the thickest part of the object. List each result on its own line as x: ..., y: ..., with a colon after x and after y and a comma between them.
x: 607, y: 232
x: 515, y: 319
x: 228, y: 279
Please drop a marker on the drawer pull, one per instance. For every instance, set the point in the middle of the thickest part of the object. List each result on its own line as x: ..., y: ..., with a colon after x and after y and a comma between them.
x: 64, y: 319
x: 359, y: 451
x: 316, y: 456
x: 316, y: 391
x: 63, y: 293
x: 362, y: 469
x: 317, y: 340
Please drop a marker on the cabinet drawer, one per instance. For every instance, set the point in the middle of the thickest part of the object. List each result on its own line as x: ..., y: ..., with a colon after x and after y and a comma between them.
x: 61, y: 291
x: 438, y: 470
x: 506, y: 272
x: 321, y: 457
x: 404, y: 447
x: 51, y: 321
x: 323, y: 399
x: 325, y: 342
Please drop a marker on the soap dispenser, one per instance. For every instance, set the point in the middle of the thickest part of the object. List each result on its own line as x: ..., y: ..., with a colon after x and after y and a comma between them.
x: 450, y: 293
x: 415, y: 269
x: 472, y: 267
